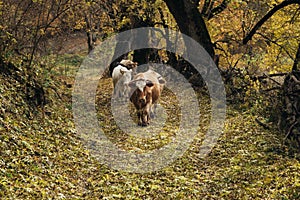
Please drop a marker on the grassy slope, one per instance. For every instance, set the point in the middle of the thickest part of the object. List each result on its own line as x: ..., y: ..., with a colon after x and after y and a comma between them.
x: 44, y: 159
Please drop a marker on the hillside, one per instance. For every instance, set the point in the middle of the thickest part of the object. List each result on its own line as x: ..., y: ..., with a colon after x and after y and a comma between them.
x: 43, y: 158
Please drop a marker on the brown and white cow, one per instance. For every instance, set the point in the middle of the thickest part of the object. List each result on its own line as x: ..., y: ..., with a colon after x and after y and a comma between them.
x: 147, y: 88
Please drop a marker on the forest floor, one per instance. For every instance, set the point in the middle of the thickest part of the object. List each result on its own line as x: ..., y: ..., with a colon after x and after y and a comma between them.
x: 42, y: 156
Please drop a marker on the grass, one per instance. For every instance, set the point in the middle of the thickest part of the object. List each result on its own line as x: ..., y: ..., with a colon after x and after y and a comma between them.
x: 43, y: 157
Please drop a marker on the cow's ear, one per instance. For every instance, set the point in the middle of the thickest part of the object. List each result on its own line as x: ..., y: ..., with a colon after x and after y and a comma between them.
x: 161, y: 80
x: 149, y: 83
x: 122, y: 71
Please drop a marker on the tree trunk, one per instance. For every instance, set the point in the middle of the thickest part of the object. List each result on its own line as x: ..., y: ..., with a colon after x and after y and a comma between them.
x: 89, y: 34
x: 191, y: 23
x: 290, y: 112
x: 90, y: 41
x: 123, y: 45
x: 141, y: 56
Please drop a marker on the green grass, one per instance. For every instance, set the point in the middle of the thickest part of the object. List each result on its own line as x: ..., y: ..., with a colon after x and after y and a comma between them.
x: 43, y: 157
x: 65, y: 64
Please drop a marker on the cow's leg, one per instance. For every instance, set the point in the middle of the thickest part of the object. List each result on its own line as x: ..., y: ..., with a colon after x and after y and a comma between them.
x: 153, y: 111
x: 116, y: 91
x: 115, y: 94
x: 115, y: 84
x: 124, y: 96
x: 125, y: 93
x: 121, y: 92
x: 146, y: 115
x: 145, y: 120
x: 140, y: 116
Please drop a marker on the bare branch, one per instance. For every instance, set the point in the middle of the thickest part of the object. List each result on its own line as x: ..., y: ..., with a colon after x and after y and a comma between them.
x: 265, y: 126
x: 276, y: 43
x: 217, y: 10
x: 267, y: 16
x: 205, y: 7
x: 295, y: 16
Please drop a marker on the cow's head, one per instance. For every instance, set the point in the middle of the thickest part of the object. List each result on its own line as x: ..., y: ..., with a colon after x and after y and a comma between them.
x: 142, y: 89
x: 129, y: 64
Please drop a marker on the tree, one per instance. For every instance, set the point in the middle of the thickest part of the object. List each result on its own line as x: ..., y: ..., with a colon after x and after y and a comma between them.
x: 25, y: 24
x: 191, y: 22
x: 136, y: 14
x: 267, y: 16
x: 209, y: 10
x: 99, y: 17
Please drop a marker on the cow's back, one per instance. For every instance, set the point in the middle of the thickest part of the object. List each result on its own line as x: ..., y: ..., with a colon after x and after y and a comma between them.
x: 156, y: 91
x: 152, y: 76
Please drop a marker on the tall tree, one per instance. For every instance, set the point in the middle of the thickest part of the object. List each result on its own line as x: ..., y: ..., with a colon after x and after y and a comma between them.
x: 191, y: 22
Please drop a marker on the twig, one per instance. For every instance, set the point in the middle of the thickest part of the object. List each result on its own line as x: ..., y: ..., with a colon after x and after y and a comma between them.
x: 262, y: 124
x: 289, y: 131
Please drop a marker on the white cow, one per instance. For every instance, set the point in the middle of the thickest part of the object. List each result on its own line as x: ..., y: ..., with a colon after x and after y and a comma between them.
x: 121, y: 77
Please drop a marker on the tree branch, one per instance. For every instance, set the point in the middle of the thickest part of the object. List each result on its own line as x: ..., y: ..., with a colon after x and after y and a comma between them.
x: 276, y: 43
x: 205, y: 7
x: 220, y: 8
x: 265, y: 126
x: 267, y: 16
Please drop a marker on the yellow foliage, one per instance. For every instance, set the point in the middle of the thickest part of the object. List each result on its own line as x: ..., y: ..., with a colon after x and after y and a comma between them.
x: 271, y: 49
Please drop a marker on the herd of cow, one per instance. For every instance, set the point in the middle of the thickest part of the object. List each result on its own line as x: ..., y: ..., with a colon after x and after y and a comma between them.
x: 144, y: 89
